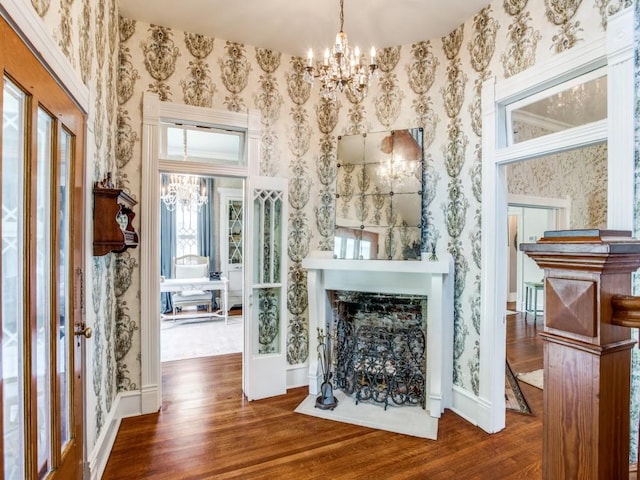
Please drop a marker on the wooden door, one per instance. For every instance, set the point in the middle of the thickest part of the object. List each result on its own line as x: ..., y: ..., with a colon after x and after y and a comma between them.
x: 265, y: 358
x: 41, y: 185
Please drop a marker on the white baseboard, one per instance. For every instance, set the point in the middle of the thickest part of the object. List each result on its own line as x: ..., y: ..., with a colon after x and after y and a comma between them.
x: 476, y: 410
x: 486, y: 419
x: 298, y: 375
x: 129, y: 404
x: 465, y: 404
x: 150, y: 400
x: 126, y: 404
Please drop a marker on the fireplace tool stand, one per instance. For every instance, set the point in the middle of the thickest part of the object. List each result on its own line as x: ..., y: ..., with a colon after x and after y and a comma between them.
x: 326, y: 400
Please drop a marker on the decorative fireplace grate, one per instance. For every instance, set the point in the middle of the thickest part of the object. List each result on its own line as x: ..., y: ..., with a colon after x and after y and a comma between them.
x: 380, y: 348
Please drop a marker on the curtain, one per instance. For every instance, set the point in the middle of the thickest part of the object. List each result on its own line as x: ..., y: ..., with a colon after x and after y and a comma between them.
x: 167, y: 247
x: 206, y: 227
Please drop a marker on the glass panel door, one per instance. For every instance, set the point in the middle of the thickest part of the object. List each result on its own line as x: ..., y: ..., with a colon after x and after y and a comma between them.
x: 41, y: 181
x: 267, y: 215
x: 12, y: 277
x: 43, y: 287
x: 64, y: 329
x: 265, y: 253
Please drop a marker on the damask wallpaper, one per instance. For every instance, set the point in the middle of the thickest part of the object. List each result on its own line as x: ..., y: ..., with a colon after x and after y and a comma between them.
x: 434, y: 84
x: 580, y: 175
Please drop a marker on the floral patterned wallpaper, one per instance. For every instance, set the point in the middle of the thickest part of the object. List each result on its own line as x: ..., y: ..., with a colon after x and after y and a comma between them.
x: 580, y: 175
x: 434, y: 84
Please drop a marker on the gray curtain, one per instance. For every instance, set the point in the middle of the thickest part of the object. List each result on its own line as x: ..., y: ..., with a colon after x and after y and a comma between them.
x: 167, y: 247
x: 206, y: 227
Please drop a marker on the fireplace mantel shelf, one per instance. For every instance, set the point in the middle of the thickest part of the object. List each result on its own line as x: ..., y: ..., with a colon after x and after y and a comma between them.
x: 319, y: 261
x: 433, y: 279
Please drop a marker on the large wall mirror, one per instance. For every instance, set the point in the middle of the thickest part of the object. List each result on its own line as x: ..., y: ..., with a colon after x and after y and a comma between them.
x: 380, y: 196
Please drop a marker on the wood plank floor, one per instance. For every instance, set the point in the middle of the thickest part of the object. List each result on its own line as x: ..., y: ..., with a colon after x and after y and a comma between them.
x: 206, y: 429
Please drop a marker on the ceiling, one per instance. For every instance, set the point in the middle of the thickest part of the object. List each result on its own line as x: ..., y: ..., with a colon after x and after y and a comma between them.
x: 294, y: 26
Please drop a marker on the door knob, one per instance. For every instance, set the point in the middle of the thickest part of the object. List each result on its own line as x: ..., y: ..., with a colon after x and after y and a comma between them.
x: 86, y: 331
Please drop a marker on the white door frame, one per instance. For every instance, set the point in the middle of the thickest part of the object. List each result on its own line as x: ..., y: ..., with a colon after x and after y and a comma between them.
x: 615, y: 50
x: 154, y: 111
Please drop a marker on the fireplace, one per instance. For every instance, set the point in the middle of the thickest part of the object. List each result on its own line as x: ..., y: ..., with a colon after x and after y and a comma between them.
x: 410, y: 287
x: 379, y: 345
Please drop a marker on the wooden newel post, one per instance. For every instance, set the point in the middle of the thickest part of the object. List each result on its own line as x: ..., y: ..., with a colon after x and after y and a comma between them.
x: 587, y: 356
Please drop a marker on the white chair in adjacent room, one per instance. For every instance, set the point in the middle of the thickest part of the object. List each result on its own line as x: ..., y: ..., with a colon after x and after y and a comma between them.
x: 193, y: 267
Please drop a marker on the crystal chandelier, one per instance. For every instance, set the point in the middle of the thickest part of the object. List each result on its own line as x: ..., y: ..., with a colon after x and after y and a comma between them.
x: 341, y: 69
x: 183, y: 190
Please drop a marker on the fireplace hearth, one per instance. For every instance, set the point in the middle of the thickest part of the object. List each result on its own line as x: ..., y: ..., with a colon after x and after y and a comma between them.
x: 403, y: 357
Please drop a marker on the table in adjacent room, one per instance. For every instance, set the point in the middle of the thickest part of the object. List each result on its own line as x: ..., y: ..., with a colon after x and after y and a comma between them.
x: 204, y: 284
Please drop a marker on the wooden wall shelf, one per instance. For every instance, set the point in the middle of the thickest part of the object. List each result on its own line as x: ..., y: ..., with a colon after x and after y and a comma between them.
x: 112, y: 221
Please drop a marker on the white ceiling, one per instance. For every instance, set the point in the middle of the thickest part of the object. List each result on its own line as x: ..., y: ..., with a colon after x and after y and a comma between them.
x: 294, y: 26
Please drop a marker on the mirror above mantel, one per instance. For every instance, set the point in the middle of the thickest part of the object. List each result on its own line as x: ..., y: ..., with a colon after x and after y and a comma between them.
x: 380, y: 196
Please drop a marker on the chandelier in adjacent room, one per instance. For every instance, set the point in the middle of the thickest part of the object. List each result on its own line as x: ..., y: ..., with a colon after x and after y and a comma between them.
x: 341, y: 68
x: 183, y: 190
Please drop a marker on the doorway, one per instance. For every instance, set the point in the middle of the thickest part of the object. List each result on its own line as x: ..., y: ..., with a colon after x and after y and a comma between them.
x: 610, y: 54
x: 204, y: 227
x: 528, y: 217
x: 526, y: 224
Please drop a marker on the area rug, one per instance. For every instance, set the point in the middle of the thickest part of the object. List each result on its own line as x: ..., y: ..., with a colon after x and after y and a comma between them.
x: 407, y: 420
x: 190, y: 338
x: 514, y: 399
x: 534, y: 378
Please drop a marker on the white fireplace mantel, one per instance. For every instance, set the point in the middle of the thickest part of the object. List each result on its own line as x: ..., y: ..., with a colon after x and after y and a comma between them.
x: 433, y: 279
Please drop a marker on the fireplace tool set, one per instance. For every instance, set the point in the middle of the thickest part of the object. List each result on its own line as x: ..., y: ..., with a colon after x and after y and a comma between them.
x: 326, y: 400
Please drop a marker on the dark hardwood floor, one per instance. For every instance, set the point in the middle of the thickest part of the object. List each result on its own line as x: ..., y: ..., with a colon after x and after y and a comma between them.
x: 206, y: 429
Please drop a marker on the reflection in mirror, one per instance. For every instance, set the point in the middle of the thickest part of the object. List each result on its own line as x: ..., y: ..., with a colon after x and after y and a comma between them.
x: 577, y: 102
x: 380, y: 196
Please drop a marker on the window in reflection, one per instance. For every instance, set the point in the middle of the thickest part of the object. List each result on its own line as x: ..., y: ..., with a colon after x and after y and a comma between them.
x: 355, y: 244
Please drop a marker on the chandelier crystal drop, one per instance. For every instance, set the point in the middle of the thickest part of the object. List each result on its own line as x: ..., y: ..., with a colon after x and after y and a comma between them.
x: 341, y: 68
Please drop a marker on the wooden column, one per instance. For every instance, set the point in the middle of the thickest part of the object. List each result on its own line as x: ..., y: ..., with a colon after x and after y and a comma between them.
x: 587, y: 358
